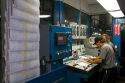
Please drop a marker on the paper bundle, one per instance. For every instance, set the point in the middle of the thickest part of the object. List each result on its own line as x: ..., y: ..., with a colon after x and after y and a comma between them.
x: 25, y: 16
x: 19, y: 25
x: 24, y: 35
x: 28, y: 6
x: 23, y: 76
x: 22, y: 40
x: 22, y: 66
x: 23, y: 46
x: 18, y: 56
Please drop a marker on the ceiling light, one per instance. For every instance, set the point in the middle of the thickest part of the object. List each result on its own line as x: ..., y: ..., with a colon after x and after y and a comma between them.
x: 44, y: 16
x: 112, y: 7
x: 117, y: 14
x: 109, y: 5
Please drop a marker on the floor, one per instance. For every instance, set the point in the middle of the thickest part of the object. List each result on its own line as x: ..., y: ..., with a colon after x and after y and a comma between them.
x: 119, y: 79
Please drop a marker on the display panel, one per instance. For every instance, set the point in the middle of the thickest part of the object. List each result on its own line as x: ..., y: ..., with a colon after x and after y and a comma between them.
x: 61, y: 38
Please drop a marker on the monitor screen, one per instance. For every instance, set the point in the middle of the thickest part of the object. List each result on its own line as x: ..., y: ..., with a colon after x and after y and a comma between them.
x: 61, y: 38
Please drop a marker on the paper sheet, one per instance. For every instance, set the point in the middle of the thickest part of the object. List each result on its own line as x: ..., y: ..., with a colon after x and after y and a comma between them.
x: 25, y: 16
x: 21, y: 66
x: 23, y: 56
x: 21, y: 77
x: 22, y: 40
x: 82, y: 64
x: 32, y: 2
x: 26, y: 6
x: 22, y: 36
x: 23, y: 46
x: 20, y: 25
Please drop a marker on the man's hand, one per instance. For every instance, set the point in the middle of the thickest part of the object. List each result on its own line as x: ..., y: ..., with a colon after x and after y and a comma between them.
x: 95, y: 60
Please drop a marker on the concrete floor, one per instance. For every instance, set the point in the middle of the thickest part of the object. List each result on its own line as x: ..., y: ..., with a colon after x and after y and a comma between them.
x: 118, y: 79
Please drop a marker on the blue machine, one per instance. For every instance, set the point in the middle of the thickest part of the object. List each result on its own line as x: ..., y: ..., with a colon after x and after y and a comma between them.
x: 60, y: 45
x: 55, y: 44
x: 57, y: 76
x: 53, y: 49
x: 60, y: 42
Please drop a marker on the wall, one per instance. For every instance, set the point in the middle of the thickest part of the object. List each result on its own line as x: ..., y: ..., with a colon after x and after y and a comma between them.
x: 96, y: 9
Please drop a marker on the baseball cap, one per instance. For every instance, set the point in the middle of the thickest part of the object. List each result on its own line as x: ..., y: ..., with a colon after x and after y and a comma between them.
x: 97, y: 39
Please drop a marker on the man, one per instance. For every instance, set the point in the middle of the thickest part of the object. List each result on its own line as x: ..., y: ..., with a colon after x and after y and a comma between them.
x: 106, y: 59
x: 107, y: 39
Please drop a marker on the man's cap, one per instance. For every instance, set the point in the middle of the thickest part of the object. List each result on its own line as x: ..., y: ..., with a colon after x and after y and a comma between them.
x: 97, y: 39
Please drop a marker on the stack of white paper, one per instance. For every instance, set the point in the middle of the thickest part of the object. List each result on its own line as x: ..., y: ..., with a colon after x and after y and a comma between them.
x: 82, y: 64
x: 18, y: 56
x: 19, y: 25
x: 30, y: 8
x: 25, y: 16
x: 24, y: 65
x: 22, y: 40
x: 21, y: 35
x: 22, y: 76
x: 23, y: 46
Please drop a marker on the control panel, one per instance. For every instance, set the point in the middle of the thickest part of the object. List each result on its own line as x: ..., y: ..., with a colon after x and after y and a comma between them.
x: 60, y: 42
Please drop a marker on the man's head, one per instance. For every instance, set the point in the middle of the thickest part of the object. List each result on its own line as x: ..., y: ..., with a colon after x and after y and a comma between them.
x: 106, y: 38
x: 98, y: 41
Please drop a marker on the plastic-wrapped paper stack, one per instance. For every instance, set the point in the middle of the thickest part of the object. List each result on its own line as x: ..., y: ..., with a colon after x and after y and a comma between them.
x: 22, y: 41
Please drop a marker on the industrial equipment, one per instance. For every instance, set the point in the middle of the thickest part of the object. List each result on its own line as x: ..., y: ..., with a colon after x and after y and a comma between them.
x: 60, y: 42
x: 56, y: 46
x: 57, y: 63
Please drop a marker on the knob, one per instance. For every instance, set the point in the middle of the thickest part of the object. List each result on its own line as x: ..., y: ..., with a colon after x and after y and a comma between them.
x: 58, y: 53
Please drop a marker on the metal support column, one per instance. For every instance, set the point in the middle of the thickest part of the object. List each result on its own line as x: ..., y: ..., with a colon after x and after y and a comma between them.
x: 58, y: 12
x: 116, y: 27
x: 116, y: 35
x: 79, y: 17
x: 89, y: 23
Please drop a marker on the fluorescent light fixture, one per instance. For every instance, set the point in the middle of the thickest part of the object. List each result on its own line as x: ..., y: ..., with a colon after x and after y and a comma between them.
x: 109, y: 5
x: 44, y: 16
x: 117, y: 14
x: 112, y: 7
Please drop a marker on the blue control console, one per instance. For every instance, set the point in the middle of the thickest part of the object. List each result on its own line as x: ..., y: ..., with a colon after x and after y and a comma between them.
x: 60, y: 42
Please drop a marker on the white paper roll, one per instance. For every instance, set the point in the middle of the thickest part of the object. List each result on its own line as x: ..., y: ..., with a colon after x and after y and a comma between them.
x: 23, y: 56
x: 24, y: 16
x: 32, y: 2
x: 23, y: 46
x: 22, y: 36
x: 21, y: 77
x: 22, y: 40
x: 22, y: 66
x: 27, y: 7
x: 19, y: 25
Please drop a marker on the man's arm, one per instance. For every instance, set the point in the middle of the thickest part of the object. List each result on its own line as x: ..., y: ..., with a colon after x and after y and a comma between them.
x: 95, y: 60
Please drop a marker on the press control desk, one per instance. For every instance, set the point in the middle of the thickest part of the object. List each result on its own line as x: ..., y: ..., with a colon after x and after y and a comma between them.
x: 78, y: 68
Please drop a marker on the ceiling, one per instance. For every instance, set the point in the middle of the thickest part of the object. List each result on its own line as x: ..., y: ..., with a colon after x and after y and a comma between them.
x: 121, y: 4
x: 91, y: 1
